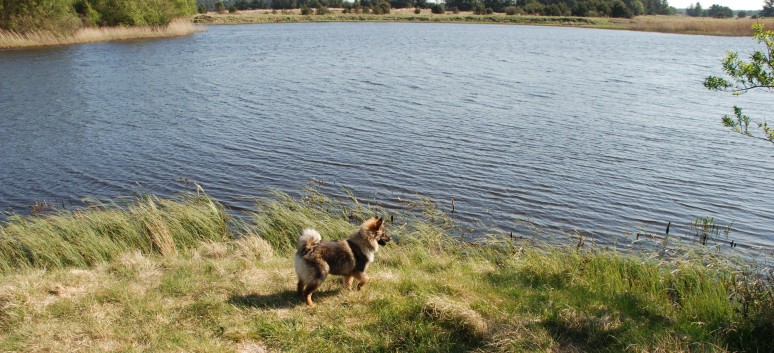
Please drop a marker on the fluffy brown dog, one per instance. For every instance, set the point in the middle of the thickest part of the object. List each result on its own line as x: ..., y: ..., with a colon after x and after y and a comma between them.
x: 350, y: 257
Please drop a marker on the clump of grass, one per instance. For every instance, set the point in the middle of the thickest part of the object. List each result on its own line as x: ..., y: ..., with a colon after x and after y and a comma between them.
x: 457, y: 316
x: 86, y: 238
x: 429, y: 291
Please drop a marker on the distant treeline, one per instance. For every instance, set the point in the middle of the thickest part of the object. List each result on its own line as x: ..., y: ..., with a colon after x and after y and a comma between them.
x: 718, y: 11
x: 65, y: 16
x: 585, y: 8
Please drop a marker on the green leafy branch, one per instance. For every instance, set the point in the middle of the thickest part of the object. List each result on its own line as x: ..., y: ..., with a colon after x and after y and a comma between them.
x: 758, y: 73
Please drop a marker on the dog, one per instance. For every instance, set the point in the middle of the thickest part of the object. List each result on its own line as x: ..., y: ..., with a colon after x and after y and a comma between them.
x: 316, y: 258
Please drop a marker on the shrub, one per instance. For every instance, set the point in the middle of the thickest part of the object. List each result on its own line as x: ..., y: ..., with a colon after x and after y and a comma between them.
x: 553, y: 10
x: 306, y: 10
x: 620, y: 10
x: 384, y: 7
x: 455, y: 10
x: 488, y: 11
x: 322, y: 10
x: 232, y: 9
x: 220, y: 8
x: 478, y: 8
x: 534, y: 8
x: 511, y: 10
x: 438, y: 9
x: 89, y: 16
x: 417, y: 11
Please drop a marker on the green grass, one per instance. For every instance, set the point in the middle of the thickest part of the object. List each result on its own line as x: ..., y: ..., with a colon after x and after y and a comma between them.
x: 86, y: 238
x: 429, y: 291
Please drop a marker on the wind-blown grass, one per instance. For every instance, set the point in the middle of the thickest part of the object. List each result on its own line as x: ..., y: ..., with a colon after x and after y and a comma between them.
x: 86, y: 238
x: 429, y: 292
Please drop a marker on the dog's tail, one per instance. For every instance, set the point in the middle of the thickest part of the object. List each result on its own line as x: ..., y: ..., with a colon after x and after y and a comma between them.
x: 308, y: 240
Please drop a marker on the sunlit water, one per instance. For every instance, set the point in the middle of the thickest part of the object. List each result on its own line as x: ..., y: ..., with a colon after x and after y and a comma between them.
x: 603, y: 132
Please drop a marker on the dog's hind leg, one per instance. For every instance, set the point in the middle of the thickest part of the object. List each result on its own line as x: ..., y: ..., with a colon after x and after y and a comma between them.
x: 361, y: 278
x: 300, y: 287
x: 310, y: 288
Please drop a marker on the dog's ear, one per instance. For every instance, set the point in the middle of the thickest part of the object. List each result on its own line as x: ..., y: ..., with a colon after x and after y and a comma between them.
x: 378, y: 223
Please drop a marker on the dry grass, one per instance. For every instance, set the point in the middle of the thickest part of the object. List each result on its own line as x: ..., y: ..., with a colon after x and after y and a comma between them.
x: 175, y: 28
x: 456, y: 315
x: 691, y: 25
x: 665, y: 24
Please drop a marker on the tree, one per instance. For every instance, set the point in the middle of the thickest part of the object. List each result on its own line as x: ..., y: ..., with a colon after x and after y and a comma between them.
x: 741, y: 14
x: 746, y: 76
x: 718, y: 11
x: 219, y: 7
x: 478, y: 8
x: 694, y: 10
x: 768, y: 9
x: 619, y: 9
x: 636, y: 6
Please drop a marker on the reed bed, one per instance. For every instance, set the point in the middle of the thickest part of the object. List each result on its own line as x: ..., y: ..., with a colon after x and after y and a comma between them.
x: 175, y: 28
x: 693, y: 25
x: 430, y: 291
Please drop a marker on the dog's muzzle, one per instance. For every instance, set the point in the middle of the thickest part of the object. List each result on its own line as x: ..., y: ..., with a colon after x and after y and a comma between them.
x: 382, y: 242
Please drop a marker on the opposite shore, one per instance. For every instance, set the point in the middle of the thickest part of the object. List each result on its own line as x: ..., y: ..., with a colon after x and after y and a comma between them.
x: 187, y: 26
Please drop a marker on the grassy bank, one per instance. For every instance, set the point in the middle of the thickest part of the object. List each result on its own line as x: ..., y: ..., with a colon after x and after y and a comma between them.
x: 168, y: 276
x: 664, y: 24
x: 395, y: 16
x: 176, y: 28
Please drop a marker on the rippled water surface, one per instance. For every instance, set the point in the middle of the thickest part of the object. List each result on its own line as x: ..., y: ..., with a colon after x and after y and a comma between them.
x: 604, y: 132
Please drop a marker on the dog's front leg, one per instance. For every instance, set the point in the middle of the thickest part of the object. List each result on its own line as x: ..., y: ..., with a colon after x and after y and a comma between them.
x: 362, y: 279
x: 348, y: 281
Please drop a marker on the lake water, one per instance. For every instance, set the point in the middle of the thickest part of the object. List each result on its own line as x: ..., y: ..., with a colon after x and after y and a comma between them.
x: 603, y: 132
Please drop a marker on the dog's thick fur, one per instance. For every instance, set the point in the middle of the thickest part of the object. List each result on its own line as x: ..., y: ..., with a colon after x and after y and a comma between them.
x: 350, y: 257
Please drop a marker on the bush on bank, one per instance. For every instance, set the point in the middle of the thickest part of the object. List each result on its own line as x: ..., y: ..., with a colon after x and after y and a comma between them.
x: 65, y: 16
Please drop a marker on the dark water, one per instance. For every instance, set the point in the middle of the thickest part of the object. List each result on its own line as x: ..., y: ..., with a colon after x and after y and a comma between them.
x: 603, y: 132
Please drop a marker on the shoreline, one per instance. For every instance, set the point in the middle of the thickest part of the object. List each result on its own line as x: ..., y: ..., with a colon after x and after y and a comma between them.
x: 674, y: 24
x: 182, y: 27
x: 115, y: 278
x: 176, y: 28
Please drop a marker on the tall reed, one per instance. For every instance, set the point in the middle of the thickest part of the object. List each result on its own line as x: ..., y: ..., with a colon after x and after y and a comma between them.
x: 175, y: 28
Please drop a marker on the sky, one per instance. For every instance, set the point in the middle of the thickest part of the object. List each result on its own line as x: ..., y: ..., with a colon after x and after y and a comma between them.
x: 733, y: 4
